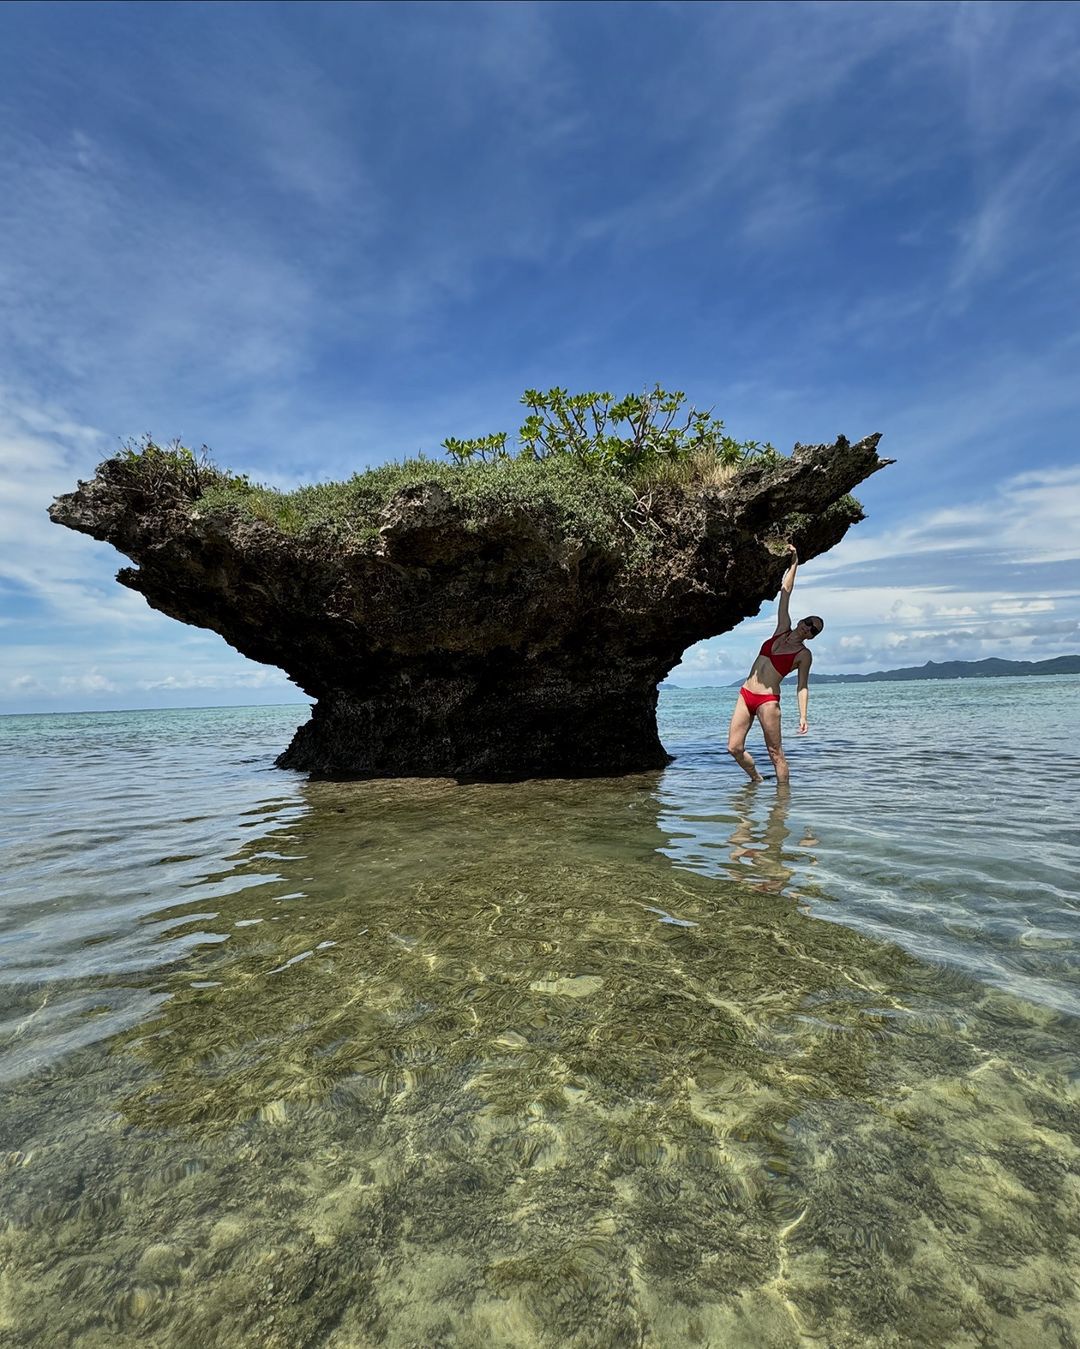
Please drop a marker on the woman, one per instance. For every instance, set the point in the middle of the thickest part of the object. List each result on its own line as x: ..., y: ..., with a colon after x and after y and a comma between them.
x: 760, y: 694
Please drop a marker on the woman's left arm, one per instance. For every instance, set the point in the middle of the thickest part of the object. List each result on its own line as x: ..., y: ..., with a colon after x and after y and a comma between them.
x: 804, y: 663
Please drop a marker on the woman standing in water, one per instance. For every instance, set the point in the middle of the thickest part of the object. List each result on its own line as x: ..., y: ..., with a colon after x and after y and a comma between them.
x: 760, y: 694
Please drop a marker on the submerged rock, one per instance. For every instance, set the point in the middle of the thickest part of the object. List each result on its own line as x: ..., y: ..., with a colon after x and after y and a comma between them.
x: 474, y: 640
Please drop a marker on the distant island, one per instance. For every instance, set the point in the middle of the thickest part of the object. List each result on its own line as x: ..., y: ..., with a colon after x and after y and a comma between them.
x: 992, y: 668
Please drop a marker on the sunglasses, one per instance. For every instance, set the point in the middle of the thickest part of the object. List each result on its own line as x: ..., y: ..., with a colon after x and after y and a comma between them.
x: 815, y: 628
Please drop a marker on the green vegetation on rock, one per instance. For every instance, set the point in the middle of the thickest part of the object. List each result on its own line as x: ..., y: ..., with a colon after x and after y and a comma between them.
x: 558, y: 426
x: 591, y: 483
x: 584, y: 503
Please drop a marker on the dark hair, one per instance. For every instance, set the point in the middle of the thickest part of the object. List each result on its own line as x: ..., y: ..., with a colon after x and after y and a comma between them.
x: 818, y: 624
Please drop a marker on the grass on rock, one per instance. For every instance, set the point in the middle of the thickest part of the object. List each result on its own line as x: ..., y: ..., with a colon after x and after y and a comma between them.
x: 577, y: 500
x: 581, y: 502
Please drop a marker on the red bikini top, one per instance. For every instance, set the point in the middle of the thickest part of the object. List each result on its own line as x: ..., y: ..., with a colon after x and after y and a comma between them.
x: 783, y: 660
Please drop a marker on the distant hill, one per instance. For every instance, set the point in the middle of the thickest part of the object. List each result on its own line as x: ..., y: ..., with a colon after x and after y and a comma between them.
x: 992, y: 668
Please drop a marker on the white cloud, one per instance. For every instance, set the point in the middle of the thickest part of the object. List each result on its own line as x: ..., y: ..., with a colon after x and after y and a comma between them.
x: 26, y: 684
x: 136, y: 671
x: 83, y: 637
x: 41, y: 452
x: 1028, y: 518
x: 1018, y: 607
x: 92, y: 681
x: 252, y: 679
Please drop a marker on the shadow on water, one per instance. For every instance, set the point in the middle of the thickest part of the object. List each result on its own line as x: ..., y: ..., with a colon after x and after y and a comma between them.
x: 504, y: 1064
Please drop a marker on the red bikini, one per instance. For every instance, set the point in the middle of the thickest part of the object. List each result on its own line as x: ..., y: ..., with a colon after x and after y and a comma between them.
x: 754, y: 700
x: 784, y: 661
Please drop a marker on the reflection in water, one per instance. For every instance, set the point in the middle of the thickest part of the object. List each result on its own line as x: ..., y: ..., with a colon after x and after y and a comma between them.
x: 755, y: 826
x: 506, y: 1064
x: 762, y: 854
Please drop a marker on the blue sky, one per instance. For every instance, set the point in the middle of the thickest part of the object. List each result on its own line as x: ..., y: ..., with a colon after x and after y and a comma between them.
x: 315, y: 237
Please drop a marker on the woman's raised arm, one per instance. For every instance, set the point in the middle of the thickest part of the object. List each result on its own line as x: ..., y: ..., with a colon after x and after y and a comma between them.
x: 783, y: 614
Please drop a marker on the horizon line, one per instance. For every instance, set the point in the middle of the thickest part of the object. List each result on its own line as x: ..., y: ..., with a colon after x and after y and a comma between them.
x: 665, y: 682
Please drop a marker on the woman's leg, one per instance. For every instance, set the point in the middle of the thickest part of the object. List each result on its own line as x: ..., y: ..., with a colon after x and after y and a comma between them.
x: 741, y: 721
x: 769, y: 716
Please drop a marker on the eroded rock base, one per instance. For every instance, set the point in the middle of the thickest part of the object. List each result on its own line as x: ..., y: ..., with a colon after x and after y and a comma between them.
x: 538, y: 732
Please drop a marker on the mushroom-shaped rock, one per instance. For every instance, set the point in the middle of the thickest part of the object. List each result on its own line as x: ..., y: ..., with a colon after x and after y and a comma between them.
x: 490, y: 640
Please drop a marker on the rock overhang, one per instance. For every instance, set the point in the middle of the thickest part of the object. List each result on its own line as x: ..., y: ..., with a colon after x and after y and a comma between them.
x: 472, y: 644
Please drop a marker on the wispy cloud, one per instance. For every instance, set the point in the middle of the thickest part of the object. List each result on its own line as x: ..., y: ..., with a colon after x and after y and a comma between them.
x: 1019, y: 67
x: 1026, y: 519
x: 191, y: 679
x: 74, y: 636
x: 736, y: 98
x: 59, y: 571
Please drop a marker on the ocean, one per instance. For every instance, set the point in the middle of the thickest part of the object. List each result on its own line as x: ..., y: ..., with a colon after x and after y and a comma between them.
x: 661, y: 1060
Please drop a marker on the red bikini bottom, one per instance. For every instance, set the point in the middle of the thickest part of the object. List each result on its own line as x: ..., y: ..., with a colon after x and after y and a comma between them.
x: 754, y: 700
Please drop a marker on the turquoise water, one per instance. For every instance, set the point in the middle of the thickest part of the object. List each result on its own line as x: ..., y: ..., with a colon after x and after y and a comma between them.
x: 661, y: 1060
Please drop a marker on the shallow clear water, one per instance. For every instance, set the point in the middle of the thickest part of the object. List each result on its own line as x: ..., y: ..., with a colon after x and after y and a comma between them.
x: 662, y: 1060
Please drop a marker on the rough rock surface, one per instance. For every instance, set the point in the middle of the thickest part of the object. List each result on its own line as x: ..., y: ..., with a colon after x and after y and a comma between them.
x: 453, y: 647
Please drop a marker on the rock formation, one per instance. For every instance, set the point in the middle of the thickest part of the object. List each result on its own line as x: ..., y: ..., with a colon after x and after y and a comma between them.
x: 465, y: 647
